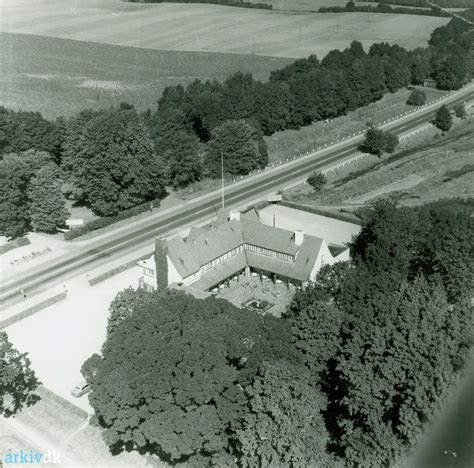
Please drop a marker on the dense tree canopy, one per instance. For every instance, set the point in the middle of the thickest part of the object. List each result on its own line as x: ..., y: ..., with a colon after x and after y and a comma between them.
x: 47, y: 203
x: 240, y: 145
x: 17, y: 379
x: 182, y: 364
x: 283, y: 426
x: 114, y: 164
x: 14, y: 212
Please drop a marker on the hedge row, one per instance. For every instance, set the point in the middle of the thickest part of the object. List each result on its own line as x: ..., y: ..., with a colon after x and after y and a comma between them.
x: 21, y: 241
x: 384, y: 8
x: 234, y: 3
x: 108, y: 220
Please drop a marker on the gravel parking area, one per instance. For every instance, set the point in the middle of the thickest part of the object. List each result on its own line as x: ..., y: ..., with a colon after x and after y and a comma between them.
x: 60, y: 338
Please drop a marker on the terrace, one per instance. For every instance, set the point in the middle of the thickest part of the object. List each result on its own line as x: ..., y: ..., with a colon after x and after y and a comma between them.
x: 262, y: 295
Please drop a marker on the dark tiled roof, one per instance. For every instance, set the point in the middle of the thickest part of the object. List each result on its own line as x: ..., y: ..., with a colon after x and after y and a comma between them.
x: 216, y: 242
x: 206, y: 244
x: 221, y: 272
x: 269, y: 237
x: 182, y: 257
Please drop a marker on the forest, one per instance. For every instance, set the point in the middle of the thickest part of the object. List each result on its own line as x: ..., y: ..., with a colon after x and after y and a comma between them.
x: 117, y: 159
x: 350, y: 376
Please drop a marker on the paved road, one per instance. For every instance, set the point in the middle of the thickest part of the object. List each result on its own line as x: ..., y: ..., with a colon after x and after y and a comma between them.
x: 193, y: 211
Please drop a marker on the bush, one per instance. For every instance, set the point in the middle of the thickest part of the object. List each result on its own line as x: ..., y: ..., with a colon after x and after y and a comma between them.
x: 443, y: 119
x: 417, y: 98
x: 377, y: 141
x: 19, y: 242
x: 460, y: 111
x: 108, y: 220
x: 317, y: 181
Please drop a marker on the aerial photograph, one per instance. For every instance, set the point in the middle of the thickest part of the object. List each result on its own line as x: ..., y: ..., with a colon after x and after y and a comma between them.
x: 237, y: 233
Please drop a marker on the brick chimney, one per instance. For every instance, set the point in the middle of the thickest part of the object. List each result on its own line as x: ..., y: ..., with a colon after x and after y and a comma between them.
x: 299, y: 236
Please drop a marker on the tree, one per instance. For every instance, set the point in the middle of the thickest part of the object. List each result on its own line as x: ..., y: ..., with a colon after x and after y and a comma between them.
x: 460, y: 111
x: 240, y: 144
x: 417, y: 98
x: 182, y: 160
x: 171, y: 376
x: 17, y: 380
x: 387, y: 400
x: 113, y: 163
x: 124, y: 305
x: 14, y: 212
x: 47, y: 204
x: 390, y: 142
x: 451, y: 73
x: 377, y: 141
x: 316, y: 329
x: 443, y: 119
x: 317, y: 180
x: 284, y: 426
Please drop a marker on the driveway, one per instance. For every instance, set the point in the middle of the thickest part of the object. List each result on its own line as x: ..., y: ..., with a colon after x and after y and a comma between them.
x: 60, y: 338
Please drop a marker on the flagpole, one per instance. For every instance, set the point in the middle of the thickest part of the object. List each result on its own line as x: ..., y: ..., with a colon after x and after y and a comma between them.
x: 222, y: 175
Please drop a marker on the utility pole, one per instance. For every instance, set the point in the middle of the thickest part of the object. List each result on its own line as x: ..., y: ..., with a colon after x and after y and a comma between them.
x: 222, y: 175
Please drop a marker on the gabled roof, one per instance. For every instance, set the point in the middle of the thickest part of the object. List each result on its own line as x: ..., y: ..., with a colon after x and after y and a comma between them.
x: 182, y: 258
x: 265, y: 236
x: 215, y: 242
x: 251, y: 215
x: 206, y: 244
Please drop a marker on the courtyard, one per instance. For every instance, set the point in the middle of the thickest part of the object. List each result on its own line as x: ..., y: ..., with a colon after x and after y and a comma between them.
x: 257, y: 294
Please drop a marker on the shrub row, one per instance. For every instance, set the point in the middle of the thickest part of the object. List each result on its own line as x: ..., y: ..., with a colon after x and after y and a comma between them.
x: 108, y: 220
x: 19, y: 242
x: 384, y: 8
x: 234, y: 3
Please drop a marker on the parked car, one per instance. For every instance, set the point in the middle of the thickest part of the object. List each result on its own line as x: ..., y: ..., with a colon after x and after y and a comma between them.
x: 81, y: 389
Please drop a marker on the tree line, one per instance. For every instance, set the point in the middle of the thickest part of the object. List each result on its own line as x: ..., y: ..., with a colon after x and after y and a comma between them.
x: 349, y: 376
x: 384, y: 8
x: 114, y: 159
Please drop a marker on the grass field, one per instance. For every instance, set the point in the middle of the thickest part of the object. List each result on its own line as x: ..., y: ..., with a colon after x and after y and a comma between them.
x: 60, y: 77
x: 212, y: 28
x: 288, y: 143
x: 440, y: 167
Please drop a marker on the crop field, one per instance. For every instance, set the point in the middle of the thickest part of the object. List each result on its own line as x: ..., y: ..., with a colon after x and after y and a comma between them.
x: 60, y: 56
x: 60, y: 77
x: 210, y: 28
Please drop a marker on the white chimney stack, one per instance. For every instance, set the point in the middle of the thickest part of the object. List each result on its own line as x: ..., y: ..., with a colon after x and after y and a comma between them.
x: 299, y: 236
x: 234, y: 215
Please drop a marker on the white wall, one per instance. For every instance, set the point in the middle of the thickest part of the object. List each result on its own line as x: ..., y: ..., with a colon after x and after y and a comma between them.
x: 173, y: 275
